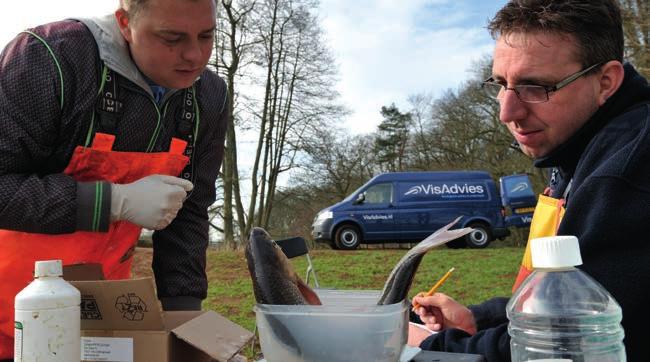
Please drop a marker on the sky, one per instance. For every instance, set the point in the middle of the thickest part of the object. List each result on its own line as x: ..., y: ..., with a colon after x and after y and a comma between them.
x: 385, y: 50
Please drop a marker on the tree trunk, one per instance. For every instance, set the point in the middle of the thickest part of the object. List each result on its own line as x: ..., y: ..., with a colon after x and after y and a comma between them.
x: 265, y: 110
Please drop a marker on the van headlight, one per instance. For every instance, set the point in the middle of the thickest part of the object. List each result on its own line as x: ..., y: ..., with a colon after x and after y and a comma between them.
x: 323, y: 216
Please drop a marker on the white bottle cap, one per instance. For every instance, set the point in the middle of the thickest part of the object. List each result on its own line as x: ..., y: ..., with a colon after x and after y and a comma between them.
x: 555, y: 252
x: 48, y: 268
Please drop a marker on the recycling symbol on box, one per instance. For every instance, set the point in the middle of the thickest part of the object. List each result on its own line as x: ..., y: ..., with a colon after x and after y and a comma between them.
x: 131, y: 306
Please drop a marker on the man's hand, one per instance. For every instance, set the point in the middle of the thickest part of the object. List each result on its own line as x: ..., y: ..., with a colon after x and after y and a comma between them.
x: 440, y: 311
x: 151, y: 202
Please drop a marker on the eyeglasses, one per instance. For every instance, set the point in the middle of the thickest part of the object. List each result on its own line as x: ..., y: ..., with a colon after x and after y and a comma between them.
x: 531, y: 93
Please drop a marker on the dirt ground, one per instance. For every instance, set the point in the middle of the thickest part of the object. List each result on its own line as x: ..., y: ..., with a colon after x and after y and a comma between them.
x: 142, y: 263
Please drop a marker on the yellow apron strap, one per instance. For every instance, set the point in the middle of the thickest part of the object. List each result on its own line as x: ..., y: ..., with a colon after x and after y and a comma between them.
x: 546, y: 220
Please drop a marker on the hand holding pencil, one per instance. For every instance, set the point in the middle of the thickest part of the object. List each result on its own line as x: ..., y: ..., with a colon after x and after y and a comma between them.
x: 434, y: 287
x: 439, y: 311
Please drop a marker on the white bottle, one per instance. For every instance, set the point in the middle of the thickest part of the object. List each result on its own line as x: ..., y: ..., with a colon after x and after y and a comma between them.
x: 559, y: 313
x: 47, y: 317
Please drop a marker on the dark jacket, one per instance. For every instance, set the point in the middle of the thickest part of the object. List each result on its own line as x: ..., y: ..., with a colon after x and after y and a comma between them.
x: 608, y: 208
x: 38, y: 137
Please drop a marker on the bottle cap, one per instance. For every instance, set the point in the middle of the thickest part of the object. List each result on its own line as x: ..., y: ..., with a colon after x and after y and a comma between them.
x: 48, y: 268
x: 555, y: 252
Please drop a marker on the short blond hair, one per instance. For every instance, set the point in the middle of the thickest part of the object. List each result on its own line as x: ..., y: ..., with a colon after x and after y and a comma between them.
x: 133, y: 7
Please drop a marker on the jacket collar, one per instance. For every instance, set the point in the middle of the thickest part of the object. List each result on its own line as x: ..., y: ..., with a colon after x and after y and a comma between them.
x: 113, y: 49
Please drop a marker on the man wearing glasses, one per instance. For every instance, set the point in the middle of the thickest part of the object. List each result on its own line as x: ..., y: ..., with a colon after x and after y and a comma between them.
x: 573, y: 106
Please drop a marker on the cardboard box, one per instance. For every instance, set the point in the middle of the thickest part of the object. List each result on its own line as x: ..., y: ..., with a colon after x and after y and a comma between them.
x: 121, y: 320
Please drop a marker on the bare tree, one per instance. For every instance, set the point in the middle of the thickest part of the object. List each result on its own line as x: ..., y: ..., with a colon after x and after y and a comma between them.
x: 636, y: 24
x: 421, y: 157
x: 232, y: 42
x: 281, y: 79
x: 337, y: 164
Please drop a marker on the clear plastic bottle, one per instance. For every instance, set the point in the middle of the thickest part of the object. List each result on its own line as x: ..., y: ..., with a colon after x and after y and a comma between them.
x: 47, y: 317
x: 560, y: 313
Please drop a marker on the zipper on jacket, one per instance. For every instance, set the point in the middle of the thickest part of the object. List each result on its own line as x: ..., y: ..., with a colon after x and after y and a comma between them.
x: 89, y: 135
x: 157, y: 130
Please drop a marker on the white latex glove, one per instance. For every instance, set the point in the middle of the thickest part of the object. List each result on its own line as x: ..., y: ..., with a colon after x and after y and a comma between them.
x: 151, y: 202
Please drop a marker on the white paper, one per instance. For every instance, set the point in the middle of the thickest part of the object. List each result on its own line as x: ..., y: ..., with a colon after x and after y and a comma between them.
x: 107, y: 349
x: 422, y: 327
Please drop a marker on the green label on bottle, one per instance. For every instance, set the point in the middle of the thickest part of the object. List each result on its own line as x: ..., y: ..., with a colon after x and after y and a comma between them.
x: 18, y: 341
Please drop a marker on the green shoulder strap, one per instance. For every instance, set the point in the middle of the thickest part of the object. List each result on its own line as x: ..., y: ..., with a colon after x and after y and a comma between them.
x: 56, y: 62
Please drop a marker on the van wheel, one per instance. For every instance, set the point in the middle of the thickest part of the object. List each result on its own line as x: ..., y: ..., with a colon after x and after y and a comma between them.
x: 347, y: 237
x: 480, y: 237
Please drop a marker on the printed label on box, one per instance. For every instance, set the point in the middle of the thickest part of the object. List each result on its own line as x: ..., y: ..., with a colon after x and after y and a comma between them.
x: 107, y: 349
x: 89, y: 308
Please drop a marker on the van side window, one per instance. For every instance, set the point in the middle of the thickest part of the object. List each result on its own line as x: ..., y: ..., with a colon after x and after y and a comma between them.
x: 379, y: 194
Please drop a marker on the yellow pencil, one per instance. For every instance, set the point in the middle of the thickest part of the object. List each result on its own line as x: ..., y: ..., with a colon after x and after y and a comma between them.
x: 435, y: 286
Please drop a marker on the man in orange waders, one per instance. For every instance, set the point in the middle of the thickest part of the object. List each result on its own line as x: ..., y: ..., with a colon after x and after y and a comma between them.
x: 573, y: 106
x: 107, y: 126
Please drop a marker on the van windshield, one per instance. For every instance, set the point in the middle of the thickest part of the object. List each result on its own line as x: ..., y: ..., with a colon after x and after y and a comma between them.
x: 354, y: 194
x: 375, y: 194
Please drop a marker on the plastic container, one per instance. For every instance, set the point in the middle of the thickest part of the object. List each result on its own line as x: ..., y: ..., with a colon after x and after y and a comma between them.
x: 560, y: 313
x: 47, y: 317
x: 349, y: 326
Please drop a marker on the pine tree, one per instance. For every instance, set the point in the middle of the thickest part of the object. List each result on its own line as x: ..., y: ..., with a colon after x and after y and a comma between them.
x: 392, y: 138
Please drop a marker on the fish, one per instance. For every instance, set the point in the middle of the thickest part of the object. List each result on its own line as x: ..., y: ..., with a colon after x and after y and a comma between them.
x: 276, y: 282
x: 274, y: 279
x: 400, y: 278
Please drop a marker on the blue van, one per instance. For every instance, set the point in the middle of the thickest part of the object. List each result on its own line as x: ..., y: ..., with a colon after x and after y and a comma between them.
x: 518, y: 195
x: 409, y: 206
